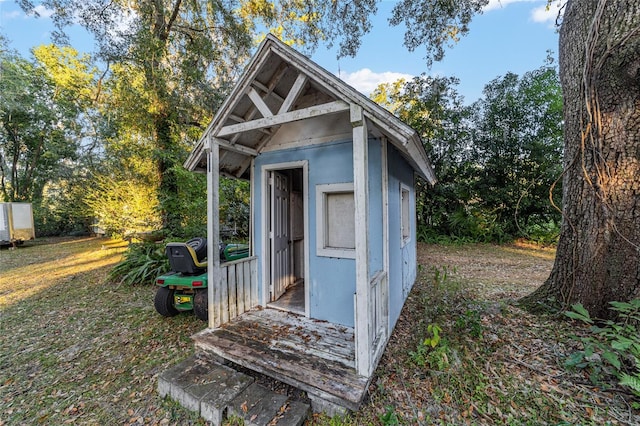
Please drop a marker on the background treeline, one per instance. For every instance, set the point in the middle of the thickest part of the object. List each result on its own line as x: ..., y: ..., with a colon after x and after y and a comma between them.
x: 81, y: 143
x: 496, y: 159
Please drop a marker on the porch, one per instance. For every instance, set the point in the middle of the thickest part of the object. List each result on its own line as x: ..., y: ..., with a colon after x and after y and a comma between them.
x: 317, y: 357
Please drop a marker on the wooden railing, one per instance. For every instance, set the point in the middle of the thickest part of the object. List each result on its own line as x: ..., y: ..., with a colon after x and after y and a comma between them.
x: 238, y: 290
x: 378, y: 312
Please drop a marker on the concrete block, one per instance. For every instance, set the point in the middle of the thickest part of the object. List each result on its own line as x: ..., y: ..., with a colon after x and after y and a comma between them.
x: 331, y: 409
x: 229, y: 383
x: 257, y: 405
x: 167, y: 377
x: 295, y: 414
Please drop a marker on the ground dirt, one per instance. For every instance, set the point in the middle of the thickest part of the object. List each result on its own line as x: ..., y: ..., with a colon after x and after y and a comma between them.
x: 493, y: 362
x: 78, y: 349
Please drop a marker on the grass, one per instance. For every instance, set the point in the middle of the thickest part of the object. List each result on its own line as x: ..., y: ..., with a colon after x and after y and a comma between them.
x: 77, y: 349
x: 463, y: 352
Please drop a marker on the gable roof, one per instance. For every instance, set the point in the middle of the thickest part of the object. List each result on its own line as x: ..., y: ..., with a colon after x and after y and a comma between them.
x: 280, y: 86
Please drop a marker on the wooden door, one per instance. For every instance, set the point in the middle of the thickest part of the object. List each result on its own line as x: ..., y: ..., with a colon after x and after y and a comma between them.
x: 281, y: 273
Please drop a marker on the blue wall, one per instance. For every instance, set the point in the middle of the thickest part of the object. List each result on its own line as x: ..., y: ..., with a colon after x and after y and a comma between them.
x: 332, y: 280
x: 402, y: 260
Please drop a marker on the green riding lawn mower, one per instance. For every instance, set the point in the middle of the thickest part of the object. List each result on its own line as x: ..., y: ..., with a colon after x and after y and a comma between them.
x: 184, y: 288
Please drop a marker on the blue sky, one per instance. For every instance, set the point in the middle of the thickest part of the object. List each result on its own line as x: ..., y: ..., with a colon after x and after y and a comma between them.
x: 510, y: 36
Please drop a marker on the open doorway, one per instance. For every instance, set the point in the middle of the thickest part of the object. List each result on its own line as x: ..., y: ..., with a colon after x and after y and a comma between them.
x: 286, y: 239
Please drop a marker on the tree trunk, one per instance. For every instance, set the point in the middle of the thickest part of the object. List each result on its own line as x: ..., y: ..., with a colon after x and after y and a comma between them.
x: 167, y: 179
x: 598, y: 256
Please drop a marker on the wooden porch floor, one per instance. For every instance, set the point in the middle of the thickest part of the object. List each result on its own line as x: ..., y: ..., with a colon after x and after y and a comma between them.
x: 315, y: 356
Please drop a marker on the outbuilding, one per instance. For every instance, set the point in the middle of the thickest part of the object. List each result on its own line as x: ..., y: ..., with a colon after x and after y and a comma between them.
x: 333, y: 225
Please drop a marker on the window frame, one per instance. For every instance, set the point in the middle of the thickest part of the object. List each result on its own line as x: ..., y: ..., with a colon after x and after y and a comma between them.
x: 405, y: 215
x: 322, y: 227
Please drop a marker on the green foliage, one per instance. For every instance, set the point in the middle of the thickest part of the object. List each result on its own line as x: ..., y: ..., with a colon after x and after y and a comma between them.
x: 469, y: 322
x: 141, y: 264
x: 517, y: 149
x: 124, y: 206
x: 613, y: 346
x: 495, y: 160
x: 191, y: 203
x: 543, y: 233
x: 432, y: 350
x: 39, y: 132
x: 234, y: 208
x: 389, y: 418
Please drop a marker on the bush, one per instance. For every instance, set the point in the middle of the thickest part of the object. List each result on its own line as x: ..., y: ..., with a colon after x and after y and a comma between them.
x: 142, y: 263
x: 613, y: 348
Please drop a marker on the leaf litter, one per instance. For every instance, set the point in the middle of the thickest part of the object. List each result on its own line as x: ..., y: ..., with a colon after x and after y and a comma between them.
x: 77, y: 349
x: 496, y: 363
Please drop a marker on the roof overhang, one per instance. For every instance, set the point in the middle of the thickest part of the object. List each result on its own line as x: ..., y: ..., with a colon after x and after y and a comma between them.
x: 279, y: 87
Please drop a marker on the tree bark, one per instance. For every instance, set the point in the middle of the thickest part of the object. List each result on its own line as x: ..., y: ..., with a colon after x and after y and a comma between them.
x: 598, y: 255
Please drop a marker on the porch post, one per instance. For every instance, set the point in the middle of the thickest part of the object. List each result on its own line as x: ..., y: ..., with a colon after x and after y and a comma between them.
x: 213, y: 231
x: 361, y: 198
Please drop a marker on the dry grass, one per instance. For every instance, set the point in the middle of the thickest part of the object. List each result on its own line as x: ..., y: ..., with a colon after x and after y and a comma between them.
x: 494, y: 271
x: 79, y: 350
x: 495, y: 363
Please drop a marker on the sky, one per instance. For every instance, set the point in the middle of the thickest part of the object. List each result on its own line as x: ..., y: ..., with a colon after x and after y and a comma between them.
x: 510, y: 36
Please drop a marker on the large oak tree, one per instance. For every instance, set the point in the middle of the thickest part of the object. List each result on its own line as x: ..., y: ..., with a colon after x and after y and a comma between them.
x: 598, y: 256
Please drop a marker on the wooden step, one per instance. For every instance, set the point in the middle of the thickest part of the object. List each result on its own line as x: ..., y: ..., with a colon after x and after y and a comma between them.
x: 314, y: 356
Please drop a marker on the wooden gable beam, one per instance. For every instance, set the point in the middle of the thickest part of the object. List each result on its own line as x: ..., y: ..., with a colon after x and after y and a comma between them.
x: 259, y: 102
x: 287, y: 117
x: 240, y: 149
x: 268, y: 90
x: 293, y: 94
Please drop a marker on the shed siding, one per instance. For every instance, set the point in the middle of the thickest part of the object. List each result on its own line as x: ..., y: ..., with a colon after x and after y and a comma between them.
x: 376, y: 261
x: 402, y: 260
x: 332, y: 280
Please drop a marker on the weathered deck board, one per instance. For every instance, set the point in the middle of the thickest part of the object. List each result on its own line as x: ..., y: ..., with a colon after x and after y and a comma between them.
x: 288, y: 333
x: 315, y: 356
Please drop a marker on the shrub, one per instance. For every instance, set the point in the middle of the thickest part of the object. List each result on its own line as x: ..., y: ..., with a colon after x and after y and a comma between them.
x: 614, y: 346
x: 142, y: 263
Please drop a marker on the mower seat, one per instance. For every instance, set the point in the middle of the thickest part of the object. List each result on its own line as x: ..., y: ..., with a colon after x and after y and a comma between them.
x: 183, y: 259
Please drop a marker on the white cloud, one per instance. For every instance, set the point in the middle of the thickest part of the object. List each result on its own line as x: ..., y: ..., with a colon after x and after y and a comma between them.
x: 539, y: 14
x: 542, y: 15
x: 41, y: 12
x: 366, y: 81
x: 498, y: 4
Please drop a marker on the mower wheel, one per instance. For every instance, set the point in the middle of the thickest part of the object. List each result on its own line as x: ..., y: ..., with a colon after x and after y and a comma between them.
x: 199, y: 245
x: 163, y: 302
x: 201, y: 305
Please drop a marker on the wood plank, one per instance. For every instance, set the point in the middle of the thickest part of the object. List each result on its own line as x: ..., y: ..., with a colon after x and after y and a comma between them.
x: 224, y: 296
x: 213, y: 225
x: 292, y: 339
x: 233, y: 310
x: 240, y: 288
x: 259, y: 102
x: 329, y: 380
x: 254, y: 282
x: 329, y: 330
x: 293, y: 94
x: 361, y: 195
x: 301, y: 114
x: 241, y: 149
x: 246, y: 283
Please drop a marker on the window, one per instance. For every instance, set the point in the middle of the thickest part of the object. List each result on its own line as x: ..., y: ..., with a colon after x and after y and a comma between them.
x: 405, y: 214
x: 335, y: 207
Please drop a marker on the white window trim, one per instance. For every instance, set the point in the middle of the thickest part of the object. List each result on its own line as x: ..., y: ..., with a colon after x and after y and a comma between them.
x: 321, y: 193
x: 404, y: 240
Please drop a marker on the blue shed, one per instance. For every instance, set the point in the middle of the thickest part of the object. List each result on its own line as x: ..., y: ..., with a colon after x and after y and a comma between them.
x: 333, y: 228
